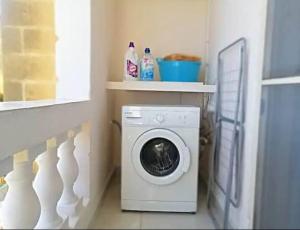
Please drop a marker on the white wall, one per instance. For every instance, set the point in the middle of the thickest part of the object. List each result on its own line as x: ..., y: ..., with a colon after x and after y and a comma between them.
x: 230, y: 20
x: 73, y: 48
x: 166, y: 26
x: 102, y: 161
x: 85, y: 27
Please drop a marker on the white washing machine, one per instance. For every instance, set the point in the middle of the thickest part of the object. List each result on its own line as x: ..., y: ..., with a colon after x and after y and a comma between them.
x: 160, y: 152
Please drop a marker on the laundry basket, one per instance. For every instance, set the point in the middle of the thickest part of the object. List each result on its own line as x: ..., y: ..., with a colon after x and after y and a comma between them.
x: 179, y: 71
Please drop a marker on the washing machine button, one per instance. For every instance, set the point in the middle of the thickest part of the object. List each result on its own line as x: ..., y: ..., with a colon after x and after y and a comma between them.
x: 160, y: 118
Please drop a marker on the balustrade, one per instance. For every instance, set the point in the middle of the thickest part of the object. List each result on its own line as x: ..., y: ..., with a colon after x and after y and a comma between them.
x: 49, y: 195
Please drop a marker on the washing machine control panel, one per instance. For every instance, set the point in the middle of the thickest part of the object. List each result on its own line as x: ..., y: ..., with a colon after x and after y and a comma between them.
x: 161, y: 118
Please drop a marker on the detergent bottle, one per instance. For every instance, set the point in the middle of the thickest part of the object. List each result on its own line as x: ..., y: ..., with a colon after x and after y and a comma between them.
x: 131, y: 72
x: 147, y: 66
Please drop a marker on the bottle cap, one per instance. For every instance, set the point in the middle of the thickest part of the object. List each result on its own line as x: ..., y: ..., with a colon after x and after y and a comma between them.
x: 147, y: 50
x: 131, y: 44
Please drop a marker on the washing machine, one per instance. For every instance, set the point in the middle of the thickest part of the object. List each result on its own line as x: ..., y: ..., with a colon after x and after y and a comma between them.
x: 160, y: 155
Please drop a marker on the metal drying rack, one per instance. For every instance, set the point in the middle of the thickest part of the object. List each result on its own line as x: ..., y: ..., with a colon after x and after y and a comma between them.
x: 229, y: 123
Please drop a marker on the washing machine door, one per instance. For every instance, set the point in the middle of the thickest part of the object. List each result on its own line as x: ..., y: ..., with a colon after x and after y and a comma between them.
x: 160, y: 156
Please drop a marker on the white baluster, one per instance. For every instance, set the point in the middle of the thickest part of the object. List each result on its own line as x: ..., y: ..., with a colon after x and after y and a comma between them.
x: 6, y: 166
x: 82, y: 154
x: 48, y: 186
x: 68, y: 169
x: 20, y: 208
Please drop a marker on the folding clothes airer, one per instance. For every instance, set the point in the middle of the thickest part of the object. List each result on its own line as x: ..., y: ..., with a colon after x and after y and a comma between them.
x: 229, y: 125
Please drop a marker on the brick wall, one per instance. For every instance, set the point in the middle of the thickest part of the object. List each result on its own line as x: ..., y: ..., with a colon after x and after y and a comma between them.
x: 28, y: 49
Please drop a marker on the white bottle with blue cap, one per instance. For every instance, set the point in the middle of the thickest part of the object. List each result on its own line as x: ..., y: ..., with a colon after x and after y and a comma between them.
x: 147, y: 66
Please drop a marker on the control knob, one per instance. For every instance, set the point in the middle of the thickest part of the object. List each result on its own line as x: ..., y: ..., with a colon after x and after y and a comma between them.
x: 160, y: 118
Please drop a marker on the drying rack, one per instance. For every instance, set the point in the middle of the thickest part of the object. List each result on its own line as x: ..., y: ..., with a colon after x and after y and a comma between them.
x: 226, y: 163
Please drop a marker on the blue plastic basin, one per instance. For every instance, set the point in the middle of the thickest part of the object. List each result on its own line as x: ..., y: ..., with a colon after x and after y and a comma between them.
x: 180, y: 71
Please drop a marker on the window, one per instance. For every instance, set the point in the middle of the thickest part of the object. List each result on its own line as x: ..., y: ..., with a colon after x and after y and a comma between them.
x: 45, y: 51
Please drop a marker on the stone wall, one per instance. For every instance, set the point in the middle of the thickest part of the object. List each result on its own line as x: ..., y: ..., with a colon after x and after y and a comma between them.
x: 28, y: 49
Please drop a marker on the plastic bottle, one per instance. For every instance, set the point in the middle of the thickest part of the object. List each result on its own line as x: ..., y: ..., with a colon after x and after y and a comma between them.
x: 147, y: 66
x: 131, y: 72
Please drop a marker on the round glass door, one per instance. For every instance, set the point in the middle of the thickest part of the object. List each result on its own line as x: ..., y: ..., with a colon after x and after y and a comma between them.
x: 160, y: 157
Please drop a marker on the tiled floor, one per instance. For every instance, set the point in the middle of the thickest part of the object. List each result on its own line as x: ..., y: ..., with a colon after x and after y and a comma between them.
x: 110, y: 216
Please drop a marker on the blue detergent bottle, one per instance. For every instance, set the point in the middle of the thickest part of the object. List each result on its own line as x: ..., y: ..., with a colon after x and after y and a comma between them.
x: 147, y: 66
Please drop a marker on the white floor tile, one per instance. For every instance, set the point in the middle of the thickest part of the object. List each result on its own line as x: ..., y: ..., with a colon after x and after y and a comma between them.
x: 110, y: 216
x: 117, y: 221
x: 111, y: 203
x: 176, y: 221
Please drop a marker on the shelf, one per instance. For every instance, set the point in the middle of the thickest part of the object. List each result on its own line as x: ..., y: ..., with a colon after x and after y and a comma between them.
x: 282, y: 81
x: 159, y: 86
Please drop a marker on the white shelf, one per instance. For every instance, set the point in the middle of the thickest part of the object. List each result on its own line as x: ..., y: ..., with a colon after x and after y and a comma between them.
x: 159, y: 86
x: 282, y: 81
